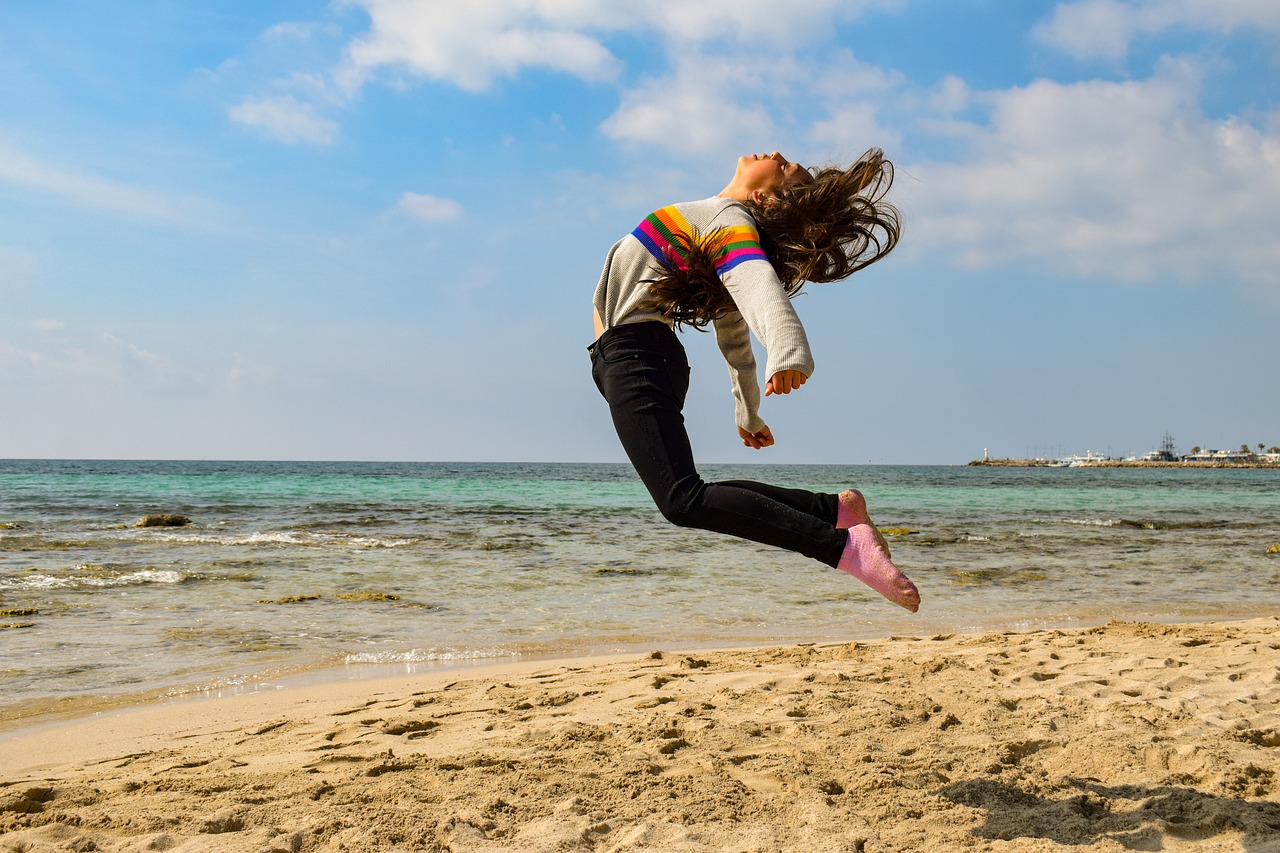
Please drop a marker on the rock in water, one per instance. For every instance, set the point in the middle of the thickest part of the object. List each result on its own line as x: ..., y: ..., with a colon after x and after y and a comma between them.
x: 163, y: 519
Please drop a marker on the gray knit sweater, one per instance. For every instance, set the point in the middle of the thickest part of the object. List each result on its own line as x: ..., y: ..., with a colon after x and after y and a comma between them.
x: 763, y: 306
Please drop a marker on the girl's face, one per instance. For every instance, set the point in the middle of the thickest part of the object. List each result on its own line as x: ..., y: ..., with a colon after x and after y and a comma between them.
x: 766, y: 173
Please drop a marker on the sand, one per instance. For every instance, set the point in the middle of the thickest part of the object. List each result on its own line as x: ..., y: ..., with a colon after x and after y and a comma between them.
x: 1129, y: 736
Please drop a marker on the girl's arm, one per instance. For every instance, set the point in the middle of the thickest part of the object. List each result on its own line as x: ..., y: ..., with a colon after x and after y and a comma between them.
x: 734, y: 340
x: 761, y: 300
x: 763, y: 309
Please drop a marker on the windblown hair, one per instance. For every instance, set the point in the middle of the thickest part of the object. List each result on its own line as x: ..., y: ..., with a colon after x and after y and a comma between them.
x: 827, y: 229
x: 820, y: 230
x: 688, y: 291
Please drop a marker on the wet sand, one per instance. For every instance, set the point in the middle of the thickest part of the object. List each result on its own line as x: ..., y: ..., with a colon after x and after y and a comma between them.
x: 1129, y: 736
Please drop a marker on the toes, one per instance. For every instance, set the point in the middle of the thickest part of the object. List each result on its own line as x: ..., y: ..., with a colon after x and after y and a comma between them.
x: 867, y: 562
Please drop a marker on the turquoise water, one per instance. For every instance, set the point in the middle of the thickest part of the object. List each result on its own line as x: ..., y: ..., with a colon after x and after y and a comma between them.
x: 291, y: 566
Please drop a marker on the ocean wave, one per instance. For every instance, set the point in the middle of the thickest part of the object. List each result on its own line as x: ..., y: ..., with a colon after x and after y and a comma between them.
x: 430, y: 656
x: 1193, y: 524
x: 294, y: 538
x: 1093, y: 522
x: 94, y: 577
x: 1150, y: 523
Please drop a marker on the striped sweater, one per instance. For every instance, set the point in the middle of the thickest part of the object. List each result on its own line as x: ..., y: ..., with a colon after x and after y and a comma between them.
x: 762, y: 305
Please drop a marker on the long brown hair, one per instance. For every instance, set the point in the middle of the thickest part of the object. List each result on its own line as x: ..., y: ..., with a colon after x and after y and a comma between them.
x: 820, y: 230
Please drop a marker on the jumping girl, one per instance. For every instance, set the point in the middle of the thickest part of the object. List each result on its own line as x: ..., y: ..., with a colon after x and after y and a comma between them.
x: 733, y: 262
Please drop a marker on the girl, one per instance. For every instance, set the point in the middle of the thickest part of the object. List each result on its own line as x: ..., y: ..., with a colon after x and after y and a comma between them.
x: 734, y: 261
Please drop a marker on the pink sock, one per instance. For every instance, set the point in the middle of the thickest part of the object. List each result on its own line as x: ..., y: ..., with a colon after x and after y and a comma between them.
x: 866, y: 560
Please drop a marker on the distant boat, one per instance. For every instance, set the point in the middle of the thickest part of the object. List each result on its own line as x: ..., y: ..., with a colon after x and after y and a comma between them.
x: 1079, y: 461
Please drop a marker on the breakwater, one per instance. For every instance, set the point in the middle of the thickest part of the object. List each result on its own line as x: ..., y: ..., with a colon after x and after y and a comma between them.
x: 1118, y: 463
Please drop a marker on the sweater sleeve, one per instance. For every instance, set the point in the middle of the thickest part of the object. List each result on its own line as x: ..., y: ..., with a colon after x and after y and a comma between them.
x: 735, y: 345
x: 764, y: 308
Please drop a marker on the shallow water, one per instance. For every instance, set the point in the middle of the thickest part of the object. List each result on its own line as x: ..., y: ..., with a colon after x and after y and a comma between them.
x: 289, y: 566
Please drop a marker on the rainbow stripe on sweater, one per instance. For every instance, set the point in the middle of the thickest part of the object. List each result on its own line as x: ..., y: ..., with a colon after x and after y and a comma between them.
x: 661, y: 231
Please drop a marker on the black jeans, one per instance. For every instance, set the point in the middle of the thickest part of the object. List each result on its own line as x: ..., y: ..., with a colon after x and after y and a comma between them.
x: 642, y: 371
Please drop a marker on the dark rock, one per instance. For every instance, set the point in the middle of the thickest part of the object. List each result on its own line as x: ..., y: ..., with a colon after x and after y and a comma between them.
x: 163, y: 519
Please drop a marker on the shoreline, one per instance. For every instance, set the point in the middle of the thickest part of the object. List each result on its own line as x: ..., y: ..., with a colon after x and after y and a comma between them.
x: 344, y: 677
x: 1128, y: 735
x: 41, y: 713
x: 54, y: 712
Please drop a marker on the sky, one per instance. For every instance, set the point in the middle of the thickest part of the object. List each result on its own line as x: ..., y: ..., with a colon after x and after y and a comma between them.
x: 371, y: 229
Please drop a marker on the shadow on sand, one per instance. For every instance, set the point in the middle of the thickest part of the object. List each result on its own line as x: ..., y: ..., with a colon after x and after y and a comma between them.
x: 1134, y: 816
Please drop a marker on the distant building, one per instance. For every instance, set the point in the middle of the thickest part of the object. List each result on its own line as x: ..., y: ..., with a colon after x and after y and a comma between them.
x: 1218, y: 456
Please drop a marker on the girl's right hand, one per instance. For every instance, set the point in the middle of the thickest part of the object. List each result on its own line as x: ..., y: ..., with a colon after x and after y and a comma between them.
x: 757, y: 440
x: 784, y: 382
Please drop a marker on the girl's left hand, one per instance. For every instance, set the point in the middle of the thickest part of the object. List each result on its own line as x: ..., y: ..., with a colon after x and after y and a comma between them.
x: 763, y: 438
x: 784, y: 382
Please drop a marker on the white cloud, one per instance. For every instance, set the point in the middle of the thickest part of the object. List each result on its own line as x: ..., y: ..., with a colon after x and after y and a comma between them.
x: 474, y: 44
x: 286, y: 119
x: 1104, y: 29
x: 296, y: 30
x: 800, y: 23
x: 429, y: 207
x: 471, y: 44
x: 289, y: 58
x: 695, y: 111
x: 824, y: 103
x: 46, y: 325
x: 131, y: 353
x: 12, y: 357
x: 853, y: 95
x: 100, y: 360
x: 1127, y: 180
x: 19, y: 168
x: 854, y: 122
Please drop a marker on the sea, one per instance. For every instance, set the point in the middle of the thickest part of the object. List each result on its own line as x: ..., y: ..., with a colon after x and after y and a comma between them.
x: 345, y: 570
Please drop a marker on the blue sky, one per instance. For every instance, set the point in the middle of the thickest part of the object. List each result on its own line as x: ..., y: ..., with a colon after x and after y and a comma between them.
x: 370, y: 229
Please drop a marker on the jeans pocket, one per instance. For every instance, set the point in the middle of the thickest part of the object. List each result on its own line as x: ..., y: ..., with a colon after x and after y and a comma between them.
x: 618, y: 353
x: 679, y: 372
x: 596, y: 367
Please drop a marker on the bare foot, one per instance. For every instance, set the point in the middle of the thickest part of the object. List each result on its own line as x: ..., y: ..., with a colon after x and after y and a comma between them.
x: 853, y: 511
x: 867, y: 561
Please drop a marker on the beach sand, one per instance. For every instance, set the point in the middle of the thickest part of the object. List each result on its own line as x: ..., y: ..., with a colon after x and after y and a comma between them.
x: 1128, y: 736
